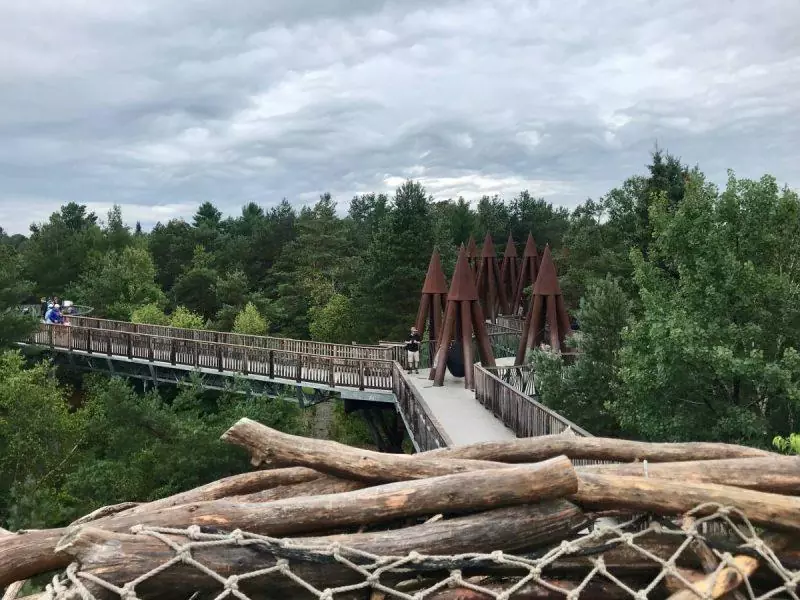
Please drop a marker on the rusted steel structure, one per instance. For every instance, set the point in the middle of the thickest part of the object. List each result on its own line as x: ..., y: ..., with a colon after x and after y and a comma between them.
x: 509, y: 272
x: 547, y: 319
x: 490, y: 286
x: 473, y: 257
x: 433, y: 302
x: 528, y: 271
x: 463, y: 319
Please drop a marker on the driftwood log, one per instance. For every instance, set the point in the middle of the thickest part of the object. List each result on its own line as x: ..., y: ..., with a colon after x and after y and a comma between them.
x: 461, y: 492
x: 270, y: 446
x: 120, y: 558
x: 543, y: 447
x: 673, y: 498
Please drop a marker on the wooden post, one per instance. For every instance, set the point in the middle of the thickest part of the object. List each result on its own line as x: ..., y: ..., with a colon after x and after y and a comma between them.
x: 172, y: 351
x: 129, y: 344
x: 150, y: 351
x: 50, y: 335
x: 272, y: 364
x: 69, y: 340
x: 196, y: 355
x: 331, y: 373
x: 299, y: 374
x: 360, y: 374
x: 219, y: 358
x: 89, y: 341
x: 109, y: 347
x: 245, y: 366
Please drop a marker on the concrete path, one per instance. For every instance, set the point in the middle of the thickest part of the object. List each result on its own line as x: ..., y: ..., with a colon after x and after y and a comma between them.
x: 464, y: 419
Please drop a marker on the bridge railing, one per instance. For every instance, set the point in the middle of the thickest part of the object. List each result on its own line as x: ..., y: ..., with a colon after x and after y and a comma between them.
x: 423, y: 428
x: 513, y: 322
x: 519, y: 377
x: 236, y: 339
x: 332, y: 371
x: 520, y: 413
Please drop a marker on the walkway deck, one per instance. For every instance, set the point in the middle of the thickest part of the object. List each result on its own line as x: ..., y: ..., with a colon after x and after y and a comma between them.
x: 464, y: 419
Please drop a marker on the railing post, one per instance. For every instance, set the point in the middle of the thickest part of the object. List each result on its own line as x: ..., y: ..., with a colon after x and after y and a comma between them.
x: 50, y: 336
x: 196, y: 356
x: 219, y: 358
x: 299, y: 375
x: 272, y: 364
x: 361, y: 375
x: 172, y: 351
x: 331, y: 374
x: 151, y: 355
x: 109, y: 347
x: 245, y: 365
x: 129, y: 344
x: 89, y: 341
x: 69, y: 340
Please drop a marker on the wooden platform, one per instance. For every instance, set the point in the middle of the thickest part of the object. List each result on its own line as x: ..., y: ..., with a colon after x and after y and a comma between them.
x: 463, y: 418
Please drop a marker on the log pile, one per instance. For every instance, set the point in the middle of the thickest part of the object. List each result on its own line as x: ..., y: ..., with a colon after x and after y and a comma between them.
x: 522, y: 497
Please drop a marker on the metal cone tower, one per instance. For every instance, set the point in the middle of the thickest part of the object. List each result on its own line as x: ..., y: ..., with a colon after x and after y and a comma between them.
x: 490, y: 285
x: 463, y: 318
x: 509, y: 272
x: 528, y: 271
x: 433, y: 301
x: 473, y: 256
x: 547, y: 319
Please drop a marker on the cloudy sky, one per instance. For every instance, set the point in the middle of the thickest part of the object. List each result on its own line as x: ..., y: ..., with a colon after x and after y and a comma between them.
x: 159, y: 105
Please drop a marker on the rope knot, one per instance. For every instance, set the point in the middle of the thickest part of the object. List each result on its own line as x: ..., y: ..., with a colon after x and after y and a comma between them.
x: 184, y: 554
x: 127, y: 592
x: 193, y: 532
x: 640, y: 595
x: 327, y: 594
x: 573, y: 595
x: 414, y: 556
x: 497, y: 556
x: 455, y: 576
x: 232, y: 583
x: 237, y: 535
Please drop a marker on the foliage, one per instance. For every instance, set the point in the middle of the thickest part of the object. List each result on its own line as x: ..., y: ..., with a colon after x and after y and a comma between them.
x: 250, y: 322
x: 334, y: 322
x: 116, y: 283
x: 350, y: 428
x: 183, y: 318
x: 150, y: 314
x: 14, y: 290
x: 789, y: 444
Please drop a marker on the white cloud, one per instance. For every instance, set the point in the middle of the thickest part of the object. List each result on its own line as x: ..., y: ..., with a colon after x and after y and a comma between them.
x: 174, y: 102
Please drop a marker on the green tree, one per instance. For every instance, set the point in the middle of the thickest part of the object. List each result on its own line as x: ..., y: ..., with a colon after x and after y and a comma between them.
x: 14, y: 290
x: 184, y: 318
x: 249, y: 321
x: 119, y: 282
x: 150, y: 314
x: 334, y: 322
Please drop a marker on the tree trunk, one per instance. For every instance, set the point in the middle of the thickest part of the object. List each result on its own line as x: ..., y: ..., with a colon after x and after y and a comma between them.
x: 778, y: 474
x: 671, y: 498
x: 540, y: 448
x: 326, y: 484
x: 119, y: 558
x: 462, y: 492
x: 271, y: 446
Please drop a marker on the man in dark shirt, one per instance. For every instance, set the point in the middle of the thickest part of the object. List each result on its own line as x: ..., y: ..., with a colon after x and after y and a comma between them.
x: 412, y: 348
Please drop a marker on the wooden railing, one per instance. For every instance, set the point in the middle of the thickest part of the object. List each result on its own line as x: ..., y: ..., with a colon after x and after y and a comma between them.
x: 332, y: 371
x: 235, y: 339
x: 519, y: 377
x: 520, y: 413
x: 510, y: 322
x: 422, y: 426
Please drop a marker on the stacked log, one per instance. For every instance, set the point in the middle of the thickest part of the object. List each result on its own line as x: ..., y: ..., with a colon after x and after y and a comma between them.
x: 523, y: 497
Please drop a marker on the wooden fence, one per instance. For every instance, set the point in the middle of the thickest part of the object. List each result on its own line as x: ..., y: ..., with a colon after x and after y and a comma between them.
x: 520, y: 413
x: 235, y: 339
x: 332, y: 371
x: 422, y: 426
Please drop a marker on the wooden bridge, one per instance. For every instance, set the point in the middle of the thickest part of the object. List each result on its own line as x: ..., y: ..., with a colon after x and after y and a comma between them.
x: 500, y: 407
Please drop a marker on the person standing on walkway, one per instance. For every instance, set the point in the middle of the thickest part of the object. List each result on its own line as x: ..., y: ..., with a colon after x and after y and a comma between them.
x: 412, y: 348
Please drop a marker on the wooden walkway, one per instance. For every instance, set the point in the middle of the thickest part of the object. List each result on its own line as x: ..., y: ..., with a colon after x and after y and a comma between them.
x: 434, y: 416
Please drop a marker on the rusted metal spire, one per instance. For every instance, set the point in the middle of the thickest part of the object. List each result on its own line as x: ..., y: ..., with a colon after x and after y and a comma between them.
x: 463, y: 318
x: 433, y: 302
x: 528, y: 271
x: 473, y: 256
x: 547, y: 318
x: 509, y: 272
x: 490, y: 287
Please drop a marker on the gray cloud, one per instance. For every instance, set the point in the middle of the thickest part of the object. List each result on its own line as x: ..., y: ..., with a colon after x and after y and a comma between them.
x: 161, y: 104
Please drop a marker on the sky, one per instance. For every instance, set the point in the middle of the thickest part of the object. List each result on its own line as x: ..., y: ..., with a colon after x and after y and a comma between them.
x: 160, y: 105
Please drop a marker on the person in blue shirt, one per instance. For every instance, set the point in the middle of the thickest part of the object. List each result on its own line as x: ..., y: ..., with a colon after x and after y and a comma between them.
x: 53, y: 315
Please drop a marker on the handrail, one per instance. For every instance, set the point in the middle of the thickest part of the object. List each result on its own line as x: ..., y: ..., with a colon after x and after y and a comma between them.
x: 425, y: 430
x: 520, y: 377
x: 255, y: 341
x: 522, y: 414
x: 333, y: 371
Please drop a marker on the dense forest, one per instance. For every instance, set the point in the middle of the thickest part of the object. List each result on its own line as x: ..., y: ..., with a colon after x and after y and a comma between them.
x: 687, y: 298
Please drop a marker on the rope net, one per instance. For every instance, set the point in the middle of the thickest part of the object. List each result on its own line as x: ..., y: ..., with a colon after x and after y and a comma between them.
x: 717, y: 555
